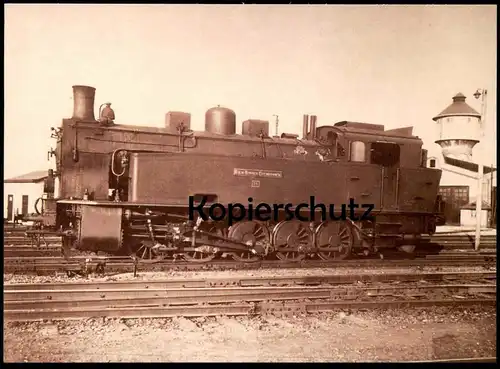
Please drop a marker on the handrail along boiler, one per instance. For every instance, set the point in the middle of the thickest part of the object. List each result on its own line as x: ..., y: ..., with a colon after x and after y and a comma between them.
x: 125, y: 188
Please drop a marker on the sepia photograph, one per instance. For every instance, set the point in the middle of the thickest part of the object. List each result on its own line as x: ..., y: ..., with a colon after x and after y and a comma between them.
x: 250, y: 183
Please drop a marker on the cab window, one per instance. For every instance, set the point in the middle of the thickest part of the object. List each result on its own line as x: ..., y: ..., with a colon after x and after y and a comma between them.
x: 384, y: 153
x: 332, y: 140
x: 358, y: 152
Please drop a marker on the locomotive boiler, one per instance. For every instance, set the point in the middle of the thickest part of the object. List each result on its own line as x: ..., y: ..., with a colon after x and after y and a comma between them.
x: 131, y: 189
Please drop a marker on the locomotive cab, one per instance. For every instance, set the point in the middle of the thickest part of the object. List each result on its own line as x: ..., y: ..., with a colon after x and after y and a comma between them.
x: 333, y: 139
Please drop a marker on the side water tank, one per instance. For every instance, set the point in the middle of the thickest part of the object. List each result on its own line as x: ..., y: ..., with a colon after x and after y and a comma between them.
x: 220, y: 121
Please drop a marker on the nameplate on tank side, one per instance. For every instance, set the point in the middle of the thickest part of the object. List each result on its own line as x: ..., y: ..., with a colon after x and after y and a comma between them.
x: 262, y: 173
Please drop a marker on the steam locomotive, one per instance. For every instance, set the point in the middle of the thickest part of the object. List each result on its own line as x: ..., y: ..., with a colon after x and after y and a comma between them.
x: 126, y: 189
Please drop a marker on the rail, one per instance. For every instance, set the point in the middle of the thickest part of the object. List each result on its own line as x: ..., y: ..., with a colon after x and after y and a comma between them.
x: 245, y: 296
x: 458, y: 360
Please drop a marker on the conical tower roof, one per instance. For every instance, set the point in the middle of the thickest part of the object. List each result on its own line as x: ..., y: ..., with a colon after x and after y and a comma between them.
x: 458, y: 108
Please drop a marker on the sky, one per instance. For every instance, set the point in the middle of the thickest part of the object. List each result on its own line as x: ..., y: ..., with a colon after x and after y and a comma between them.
x: 393, y: 65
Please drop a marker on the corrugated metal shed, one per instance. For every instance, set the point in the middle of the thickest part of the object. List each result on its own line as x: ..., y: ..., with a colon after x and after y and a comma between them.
x: 31, y: 177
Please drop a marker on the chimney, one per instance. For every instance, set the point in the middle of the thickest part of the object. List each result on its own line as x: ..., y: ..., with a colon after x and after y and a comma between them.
x: 305, y: 128
x: 313, y: 127
x: 83, y: 100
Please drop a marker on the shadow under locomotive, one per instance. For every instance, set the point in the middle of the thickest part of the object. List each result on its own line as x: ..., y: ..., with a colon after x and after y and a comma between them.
x: 125, y: 189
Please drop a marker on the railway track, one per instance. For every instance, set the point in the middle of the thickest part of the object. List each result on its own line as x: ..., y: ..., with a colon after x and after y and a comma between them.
x: 247, y: 281
x: 21, y: 246
x: 460, y: 360
x: 29, y: 251
x: 245, y: 295
x: 85, y: 265
x: 17, y: 236
x: 459, y: 241
x: 23, y: 250
x: 18, y: 257
x: 22, y: 240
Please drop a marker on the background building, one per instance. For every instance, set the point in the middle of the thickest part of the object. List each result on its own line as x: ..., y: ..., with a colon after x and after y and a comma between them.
x: 458, y: 132
x: 20, y: 194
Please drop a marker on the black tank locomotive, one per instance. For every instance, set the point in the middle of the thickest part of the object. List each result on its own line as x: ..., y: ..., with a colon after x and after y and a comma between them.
x: 125, y: 189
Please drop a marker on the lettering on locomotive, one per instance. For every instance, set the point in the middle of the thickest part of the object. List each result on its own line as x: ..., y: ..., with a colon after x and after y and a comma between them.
x: 255, y: 183
x: 262, y: 173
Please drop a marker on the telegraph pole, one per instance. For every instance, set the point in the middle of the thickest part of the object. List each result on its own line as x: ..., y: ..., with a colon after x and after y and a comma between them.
x: 479, y: 198
x: 277, y: 122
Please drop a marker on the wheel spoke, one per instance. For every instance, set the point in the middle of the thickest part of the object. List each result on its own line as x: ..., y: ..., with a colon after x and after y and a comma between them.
x: 302, y: 232
x: 337, y: 237
x: 250, y: 232
x: 290, y: 234
x: 199, y: 256
x: 259, y: 233
x: 143, y: 252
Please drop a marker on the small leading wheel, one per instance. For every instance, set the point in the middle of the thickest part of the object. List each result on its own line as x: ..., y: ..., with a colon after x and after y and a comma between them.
x: 291, y: 234
x: 200, y: 256
x: 145, y: 251
x: 337, y: 235
x: 251, y: 233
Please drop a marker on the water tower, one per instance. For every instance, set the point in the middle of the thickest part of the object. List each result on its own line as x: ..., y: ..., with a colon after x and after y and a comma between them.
x: 458, y: 129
